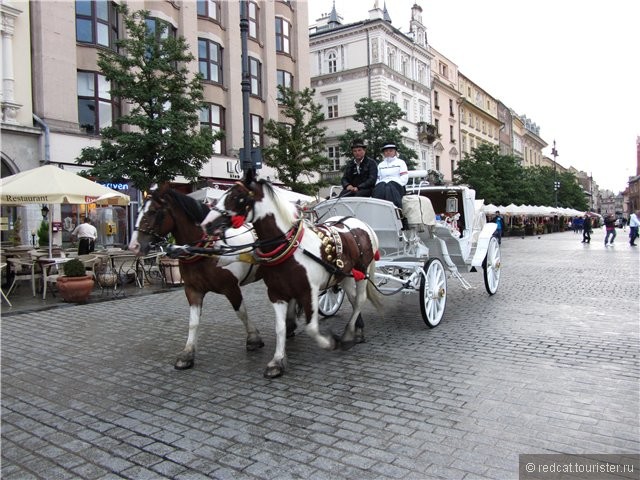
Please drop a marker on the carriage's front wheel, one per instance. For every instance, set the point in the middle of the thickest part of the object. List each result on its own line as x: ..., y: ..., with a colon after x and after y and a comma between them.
x: 433, y: 292
x: 491, y: 267
x: 330, y: 301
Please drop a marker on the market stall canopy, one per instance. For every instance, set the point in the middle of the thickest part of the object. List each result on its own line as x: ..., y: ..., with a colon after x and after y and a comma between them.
x: 52, y: 185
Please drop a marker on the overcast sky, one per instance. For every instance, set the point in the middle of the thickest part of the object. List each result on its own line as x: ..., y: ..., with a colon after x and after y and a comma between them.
x: 571, y: 66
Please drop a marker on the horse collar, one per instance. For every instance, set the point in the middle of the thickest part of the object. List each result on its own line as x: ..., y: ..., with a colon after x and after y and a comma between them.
x: 283, y: 251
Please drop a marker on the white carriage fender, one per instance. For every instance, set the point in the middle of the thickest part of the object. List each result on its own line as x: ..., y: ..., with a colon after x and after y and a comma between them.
x: 483, y: 244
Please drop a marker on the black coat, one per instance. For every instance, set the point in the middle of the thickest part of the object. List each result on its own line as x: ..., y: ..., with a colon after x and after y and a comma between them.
x: 363, y: 176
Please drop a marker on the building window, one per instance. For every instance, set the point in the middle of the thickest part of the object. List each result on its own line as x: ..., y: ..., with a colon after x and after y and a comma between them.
x: 96, y: 23
x: 332, y: 62
x: 160, y: 29
x: 253, y: 20
x: 210, y: 60
x: 332, y: 107
x: 404, y: 67
x: 256, y: 130
x: 334, y: 155
x: 255, y: 73
x: 443, y: 70
x: 453, y: 168
x: 451, y: 136
x: 436, y: 100
x: 451, y: 108
x: 391, y: 58
x: 421, y: 115
x: 437, y: 125
x: 463, y: 115
x: 96, y: 108
x: 392, y: 98
x: 283, y: 35
x: 209, y: 9
x: 284, y: 79
x: 212, y: 117
x: 438, y: 163
x: 405, y: 108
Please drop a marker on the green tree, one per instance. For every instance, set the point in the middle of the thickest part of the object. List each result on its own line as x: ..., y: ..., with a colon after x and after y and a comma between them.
x: 159, y: 138
x: 379, y: 120
x: 296, y: 149
x: 496, y: 178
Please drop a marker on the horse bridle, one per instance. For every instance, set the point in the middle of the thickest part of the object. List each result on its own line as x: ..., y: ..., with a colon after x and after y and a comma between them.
x: 158, y: 219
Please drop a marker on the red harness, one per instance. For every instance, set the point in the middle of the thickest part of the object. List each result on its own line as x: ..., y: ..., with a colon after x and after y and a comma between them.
x: 284, y: 251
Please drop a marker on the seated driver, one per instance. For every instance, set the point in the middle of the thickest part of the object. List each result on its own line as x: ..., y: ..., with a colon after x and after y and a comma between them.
x: 393, y: 176
x: 360, y: 174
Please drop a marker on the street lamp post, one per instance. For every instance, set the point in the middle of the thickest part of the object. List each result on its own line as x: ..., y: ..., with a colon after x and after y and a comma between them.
x: 556, y: 183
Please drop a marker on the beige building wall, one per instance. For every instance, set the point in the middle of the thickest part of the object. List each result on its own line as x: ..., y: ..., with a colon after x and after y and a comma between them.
x: 55, y: 71
x: 479, y: 121
x: 445, y: 103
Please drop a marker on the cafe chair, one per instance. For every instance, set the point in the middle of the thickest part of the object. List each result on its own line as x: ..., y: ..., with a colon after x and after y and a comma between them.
x: 23, y: 269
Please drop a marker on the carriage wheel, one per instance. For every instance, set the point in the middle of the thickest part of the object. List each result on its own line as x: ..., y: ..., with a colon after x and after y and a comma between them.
x: 330, y: 301
x: 491, y: 267
x: 433, y: 292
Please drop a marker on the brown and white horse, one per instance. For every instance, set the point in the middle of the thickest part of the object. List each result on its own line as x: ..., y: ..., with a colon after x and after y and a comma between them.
x: 301, y: 259
x: 168, y: 211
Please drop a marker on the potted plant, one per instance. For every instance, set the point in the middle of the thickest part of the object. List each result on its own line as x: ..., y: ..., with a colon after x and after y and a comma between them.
x: 74, y: 285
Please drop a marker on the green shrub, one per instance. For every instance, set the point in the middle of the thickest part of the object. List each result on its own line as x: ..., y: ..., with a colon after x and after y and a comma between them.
x: 74, y: 268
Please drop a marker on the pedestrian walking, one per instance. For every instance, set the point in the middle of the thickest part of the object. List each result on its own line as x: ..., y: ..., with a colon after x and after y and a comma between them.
x: 634, y: 224
x: 610, y: 227
x: 499, y: 221
x: 586, y: 229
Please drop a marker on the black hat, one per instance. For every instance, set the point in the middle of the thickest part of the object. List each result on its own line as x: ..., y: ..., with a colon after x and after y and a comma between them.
x: 358, y: 143
x: 389, y: 145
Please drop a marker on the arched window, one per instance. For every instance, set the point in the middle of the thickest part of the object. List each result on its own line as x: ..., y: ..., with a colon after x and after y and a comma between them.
x: 332, y: 62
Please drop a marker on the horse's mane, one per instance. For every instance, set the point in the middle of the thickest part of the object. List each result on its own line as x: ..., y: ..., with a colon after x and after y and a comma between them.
x: 195, y: 210
x: 285, y: 208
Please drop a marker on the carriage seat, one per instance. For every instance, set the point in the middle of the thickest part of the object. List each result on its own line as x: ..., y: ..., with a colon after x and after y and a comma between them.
x: 418, y: 211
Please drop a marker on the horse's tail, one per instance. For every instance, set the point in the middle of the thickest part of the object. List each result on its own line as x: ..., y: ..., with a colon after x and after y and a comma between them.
x: 372, y: 292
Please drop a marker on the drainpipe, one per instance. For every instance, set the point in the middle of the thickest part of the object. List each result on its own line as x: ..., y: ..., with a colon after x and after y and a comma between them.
x: 47, y: 147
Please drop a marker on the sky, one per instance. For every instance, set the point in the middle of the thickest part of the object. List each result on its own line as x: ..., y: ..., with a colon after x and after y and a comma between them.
x: 571, y: 66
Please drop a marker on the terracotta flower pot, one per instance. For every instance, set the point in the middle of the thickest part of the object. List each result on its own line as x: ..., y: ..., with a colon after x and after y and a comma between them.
x: 75, y: 289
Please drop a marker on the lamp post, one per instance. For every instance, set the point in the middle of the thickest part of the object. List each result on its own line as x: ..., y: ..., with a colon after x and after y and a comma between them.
x: 44, y: 211
x: 556, y: 183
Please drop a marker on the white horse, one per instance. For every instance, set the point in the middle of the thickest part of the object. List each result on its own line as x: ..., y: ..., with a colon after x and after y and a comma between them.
x: 300, y: 259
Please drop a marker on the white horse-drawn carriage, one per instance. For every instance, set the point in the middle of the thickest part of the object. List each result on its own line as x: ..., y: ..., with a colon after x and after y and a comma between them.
x: 445, y: 231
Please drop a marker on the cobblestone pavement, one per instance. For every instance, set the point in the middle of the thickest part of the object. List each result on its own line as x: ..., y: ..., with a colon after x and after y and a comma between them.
x: 547, y: 365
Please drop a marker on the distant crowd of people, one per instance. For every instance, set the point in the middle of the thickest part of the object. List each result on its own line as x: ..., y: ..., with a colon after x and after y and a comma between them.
x: 586, y: 226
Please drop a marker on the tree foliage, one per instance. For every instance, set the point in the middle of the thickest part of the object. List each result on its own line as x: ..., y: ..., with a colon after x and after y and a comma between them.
x: 296, y: 147
x: 159, y: 138
x: 379, y: 120
x: 501, y: 180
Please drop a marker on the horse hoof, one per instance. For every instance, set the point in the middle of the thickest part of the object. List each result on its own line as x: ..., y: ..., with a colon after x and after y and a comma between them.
x: 337, y: 342
x: 273, y: 372
x: 347, y: 345
x: 183, y: 365
x: 253, y: 345
x: 291, y: 334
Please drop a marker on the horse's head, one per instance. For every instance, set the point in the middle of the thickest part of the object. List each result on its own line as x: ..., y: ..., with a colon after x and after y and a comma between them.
x: 232, y: 208
x: 152, y: 225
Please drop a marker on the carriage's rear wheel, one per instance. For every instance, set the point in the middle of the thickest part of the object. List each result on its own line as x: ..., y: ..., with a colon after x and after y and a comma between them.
x: 330, y: 301
x: 491, y: 267
x: 433, y: 292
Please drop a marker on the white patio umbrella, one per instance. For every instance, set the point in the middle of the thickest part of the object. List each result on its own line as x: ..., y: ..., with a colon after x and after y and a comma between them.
x: 52, y: 185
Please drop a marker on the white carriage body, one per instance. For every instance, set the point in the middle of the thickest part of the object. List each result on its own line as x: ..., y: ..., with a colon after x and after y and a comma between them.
x: 445, y: 228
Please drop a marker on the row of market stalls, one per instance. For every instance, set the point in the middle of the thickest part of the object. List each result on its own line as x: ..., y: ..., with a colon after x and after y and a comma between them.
x: 523, y: 220
x: 532, y: 211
